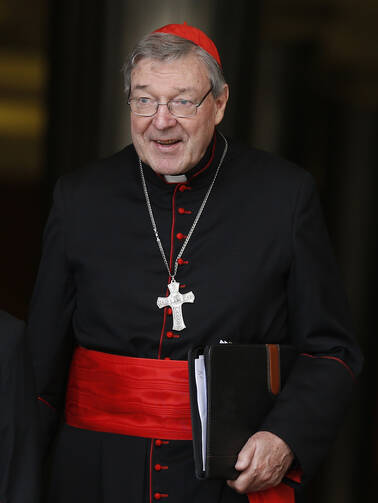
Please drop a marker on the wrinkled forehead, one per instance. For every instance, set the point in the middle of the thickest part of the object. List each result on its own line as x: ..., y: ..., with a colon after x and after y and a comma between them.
x: 187, y: 71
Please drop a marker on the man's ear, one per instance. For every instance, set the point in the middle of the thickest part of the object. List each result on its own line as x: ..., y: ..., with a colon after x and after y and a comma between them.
x: 221, y: 103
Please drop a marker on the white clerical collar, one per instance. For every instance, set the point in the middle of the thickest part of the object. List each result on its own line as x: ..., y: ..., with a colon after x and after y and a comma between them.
x: 175, y: 178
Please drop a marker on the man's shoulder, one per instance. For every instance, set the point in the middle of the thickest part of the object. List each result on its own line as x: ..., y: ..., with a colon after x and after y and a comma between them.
x: 11, y: 334
x: 10, y: 323
x: 260, y: 167
x: 102, y: 174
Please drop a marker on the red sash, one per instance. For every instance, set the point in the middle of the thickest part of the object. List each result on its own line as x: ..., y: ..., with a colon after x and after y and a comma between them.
x: 132, y: 396
x: 139, y: 397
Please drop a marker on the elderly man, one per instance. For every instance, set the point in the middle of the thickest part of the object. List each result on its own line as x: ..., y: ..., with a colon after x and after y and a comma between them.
x: 182, y: 211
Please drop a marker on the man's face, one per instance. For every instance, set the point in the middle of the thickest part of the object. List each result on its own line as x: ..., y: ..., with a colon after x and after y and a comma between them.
x: 169, y: 144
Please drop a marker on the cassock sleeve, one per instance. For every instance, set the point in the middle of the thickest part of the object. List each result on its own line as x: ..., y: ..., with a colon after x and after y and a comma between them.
x: 310, y: 408
x: 49, y: 330
x: 19, y: 470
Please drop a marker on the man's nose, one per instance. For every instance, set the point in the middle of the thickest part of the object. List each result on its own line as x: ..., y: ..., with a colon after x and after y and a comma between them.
x: 163, y: 118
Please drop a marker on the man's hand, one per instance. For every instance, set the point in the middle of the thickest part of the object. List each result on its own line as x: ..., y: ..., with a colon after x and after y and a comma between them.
x: 263, y: 462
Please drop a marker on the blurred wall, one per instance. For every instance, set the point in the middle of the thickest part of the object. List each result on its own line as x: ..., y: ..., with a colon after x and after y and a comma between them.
x: 23, y: 70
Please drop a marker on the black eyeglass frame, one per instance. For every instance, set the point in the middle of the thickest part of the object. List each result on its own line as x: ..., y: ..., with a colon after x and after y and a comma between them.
x: 197, y: 105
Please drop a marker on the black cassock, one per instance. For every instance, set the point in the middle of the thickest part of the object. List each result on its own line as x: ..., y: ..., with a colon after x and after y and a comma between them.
x: 262, y: 270
x: 19, y: 466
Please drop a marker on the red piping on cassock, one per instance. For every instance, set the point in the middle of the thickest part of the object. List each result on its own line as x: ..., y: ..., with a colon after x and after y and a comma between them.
x: 332, y: 358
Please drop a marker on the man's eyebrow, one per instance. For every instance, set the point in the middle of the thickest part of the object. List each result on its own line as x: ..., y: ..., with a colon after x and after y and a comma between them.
x: 180, y: 90
x: 184, y: 89
x: 140, y: 86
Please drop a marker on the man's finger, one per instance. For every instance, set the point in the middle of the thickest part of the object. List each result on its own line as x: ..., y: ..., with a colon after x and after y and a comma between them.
x: 263, y: 461
x: 245, y: 455
x: 251, y: 480
x: 242, y: 483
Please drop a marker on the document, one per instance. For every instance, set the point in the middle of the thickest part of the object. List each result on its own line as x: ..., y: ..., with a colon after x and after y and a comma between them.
x: 200, y: 375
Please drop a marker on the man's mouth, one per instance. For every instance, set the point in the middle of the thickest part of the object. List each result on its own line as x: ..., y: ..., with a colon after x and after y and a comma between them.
x: 167, y: 142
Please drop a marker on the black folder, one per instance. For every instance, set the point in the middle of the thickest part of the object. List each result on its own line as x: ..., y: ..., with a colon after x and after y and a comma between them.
x: 237, y: 385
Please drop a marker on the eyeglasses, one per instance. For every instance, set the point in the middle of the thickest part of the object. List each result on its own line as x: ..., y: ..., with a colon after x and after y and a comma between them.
x: 147, y: 107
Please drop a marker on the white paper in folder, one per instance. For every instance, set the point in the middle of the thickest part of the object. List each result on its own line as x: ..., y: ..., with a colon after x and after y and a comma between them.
x: 200, y: 374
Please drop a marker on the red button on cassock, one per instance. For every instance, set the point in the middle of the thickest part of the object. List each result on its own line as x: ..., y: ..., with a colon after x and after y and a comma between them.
x: 170, y: 335
x: 160, y: 467
x: 180, y: 235
x: 169, y: 310
x: 183, y: 211
x: 158, y: 442
x: 158, y: 496
x: 184, y: 187
x: 181, y: 261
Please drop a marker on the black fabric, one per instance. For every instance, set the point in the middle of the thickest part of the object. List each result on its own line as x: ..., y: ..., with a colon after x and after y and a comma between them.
x: 262, y: 270
x: 18, y: 450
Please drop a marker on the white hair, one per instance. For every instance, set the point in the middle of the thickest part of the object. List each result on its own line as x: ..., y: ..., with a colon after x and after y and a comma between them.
x: 167, y: 47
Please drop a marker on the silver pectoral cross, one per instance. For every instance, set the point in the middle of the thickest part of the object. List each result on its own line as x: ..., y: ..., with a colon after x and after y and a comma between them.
x: 175, y: 300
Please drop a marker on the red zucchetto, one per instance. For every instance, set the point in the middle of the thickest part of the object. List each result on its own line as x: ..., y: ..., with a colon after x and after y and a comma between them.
x: 193, y: 34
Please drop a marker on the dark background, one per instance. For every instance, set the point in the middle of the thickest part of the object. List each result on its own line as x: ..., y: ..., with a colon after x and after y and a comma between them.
x: 303, y: 76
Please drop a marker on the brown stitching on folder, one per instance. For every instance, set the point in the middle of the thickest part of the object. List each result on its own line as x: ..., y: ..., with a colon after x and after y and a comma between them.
x: 274, y: 374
